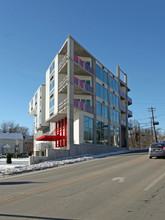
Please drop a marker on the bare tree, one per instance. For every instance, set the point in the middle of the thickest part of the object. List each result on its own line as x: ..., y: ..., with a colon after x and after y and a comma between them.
x: 11, y: 127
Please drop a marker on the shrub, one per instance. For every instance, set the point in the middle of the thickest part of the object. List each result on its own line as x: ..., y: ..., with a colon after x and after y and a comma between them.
x: 9, y: 158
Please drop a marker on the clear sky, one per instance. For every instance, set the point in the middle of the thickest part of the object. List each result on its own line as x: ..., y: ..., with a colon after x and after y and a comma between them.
x: 128, y: 33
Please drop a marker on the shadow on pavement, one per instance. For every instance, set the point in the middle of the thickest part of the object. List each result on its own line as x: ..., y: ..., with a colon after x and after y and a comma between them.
x: 30, y: 217
x: 16, y: 183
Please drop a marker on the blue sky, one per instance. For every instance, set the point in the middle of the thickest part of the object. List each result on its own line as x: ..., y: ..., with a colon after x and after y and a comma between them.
x: 127, y: 33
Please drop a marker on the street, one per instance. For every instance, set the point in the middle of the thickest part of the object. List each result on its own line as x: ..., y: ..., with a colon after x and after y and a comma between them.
x: 126, y: 186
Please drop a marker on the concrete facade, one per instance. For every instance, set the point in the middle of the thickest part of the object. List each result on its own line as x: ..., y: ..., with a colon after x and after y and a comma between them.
x: 93, y: 101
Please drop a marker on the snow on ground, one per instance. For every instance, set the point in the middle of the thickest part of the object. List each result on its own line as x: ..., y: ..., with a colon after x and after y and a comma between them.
x: 20, y: 165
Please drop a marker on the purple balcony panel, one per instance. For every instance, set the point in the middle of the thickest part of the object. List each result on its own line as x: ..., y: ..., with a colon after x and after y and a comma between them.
x: 81, y: 62
x: 76, y: 59
x: 76, y: 80
x: 76, y: 103
x: 81, y: 83
x: 90, y: 70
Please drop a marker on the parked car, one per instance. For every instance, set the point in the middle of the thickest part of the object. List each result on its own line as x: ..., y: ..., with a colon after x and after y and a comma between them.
x: 157, y: 150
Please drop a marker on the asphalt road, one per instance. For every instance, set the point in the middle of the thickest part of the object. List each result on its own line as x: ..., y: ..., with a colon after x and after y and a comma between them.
x: 127, y: 186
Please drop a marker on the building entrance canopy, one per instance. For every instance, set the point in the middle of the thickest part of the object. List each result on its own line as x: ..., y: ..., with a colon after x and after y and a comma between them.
x: 50, y: 138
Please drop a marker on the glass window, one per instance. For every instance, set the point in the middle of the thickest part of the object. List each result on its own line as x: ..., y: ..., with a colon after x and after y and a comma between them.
x: 101, y: 74
x: 115, y: 136
x: 51, y: 85
x: 114, y: 115
x: 114, y: 99
x: 36, y: 95
x: 101, y: 109
x: 102, y: 132
x: 52, y: 67
x: 51, y: 103
x: 88, y: 102
x: 88, y: 130
x: 101, y: 92
x: 114, y: 84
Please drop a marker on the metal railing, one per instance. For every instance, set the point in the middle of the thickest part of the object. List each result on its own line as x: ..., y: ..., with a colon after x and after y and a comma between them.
x: 83, y: 85
x: 62, y: 63
x: 83, y: 64
x: 62, y: 105
x: 63, y: 83
x: 83, y: 106
x: 123, y: 95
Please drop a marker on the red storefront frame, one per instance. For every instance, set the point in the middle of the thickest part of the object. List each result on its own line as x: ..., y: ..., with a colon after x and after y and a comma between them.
x: 59, y: 135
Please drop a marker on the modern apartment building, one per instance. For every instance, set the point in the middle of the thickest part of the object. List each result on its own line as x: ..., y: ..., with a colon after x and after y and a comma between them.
x: 82, y: 109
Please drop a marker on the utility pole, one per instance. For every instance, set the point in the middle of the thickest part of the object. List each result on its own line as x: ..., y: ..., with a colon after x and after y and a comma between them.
x: 139, y: 135
x: 152, y: 110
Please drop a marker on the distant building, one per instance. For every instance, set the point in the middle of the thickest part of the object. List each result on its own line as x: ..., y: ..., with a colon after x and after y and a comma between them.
x: 11, y: 143
x: 82, y: 108
x: 28, y: 145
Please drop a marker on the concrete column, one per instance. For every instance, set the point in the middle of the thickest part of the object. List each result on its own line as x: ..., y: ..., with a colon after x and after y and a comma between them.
x: 94, y: 100
x: 109, y: 112
x: 118, y: 76
x: 118, y: 72
x: 70, y: 91
x: 127, y: 145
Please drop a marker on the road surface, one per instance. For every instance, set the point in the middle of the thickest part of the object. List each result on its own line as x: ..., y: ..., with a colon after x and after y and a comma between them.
x: 127, y: 186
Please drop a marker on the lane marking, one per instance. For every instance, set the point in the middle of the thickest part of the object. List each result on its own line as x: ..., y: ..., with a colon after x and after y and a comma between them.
x: 119, y: 179
x: 154, y: 182
x: 63, y: 184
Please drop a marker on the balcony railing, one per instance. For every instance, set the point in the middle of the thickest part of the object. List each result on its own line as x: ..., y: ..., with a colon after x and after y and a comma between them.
x: 123, y: 122
x: 83, y: 106
x: 129, y: 112
x: 83, y: 85
x: 83, y: 64
x: 123, y: 108
x: 62, y: 105
x: 129, y: 100
x: 123, y: 95
x: 62, y: 63
x: 63, y: 83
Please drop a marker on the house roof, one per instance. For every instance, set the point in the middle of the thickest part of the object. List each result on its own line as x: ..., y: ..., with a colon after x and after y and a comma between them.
x: 12, y: 136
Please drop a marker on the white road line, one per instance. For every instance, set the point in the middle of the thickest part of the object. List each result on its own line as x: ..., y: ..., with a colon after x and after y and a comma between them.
x: 154, y: 182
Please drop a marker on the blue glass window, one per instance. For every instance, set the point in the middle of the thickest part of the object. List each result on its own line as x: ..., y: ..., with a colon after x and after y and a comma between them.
x: 51, y: 103
x: 51, y: 85
x: 102, y: 132
x: 101, y: 74
x: 114, y: 84
x: 114, y: 115
x: 114, y: 99
x: 88, y: 130
x: 52, y: 67
x: 101, y: 92
x: 101, y: 110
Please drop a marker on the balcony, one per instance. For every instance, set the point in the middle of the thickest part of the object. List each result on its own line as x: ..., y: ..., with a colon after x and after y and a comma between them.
x: 123, y: 123
x: 129, y: 113
x: 83, y: 106
x: 83, y: 64
x: 62, y: 64
x: 123, y: 109
x: 83, y: 85
x: 123, y: 95
x: 129, y: 101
